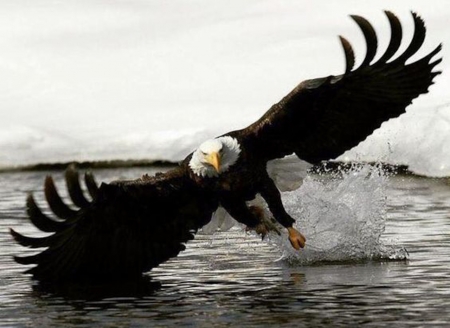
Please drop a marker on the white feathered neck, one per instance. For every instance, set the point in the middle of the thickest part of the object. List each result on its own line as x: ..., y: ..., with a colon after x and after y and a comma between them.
x: 227, y: 147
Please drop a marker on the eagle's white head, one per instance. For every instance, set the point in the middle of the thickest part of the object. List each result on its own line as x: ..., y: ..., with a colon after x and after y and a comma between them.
x: 215, y: 156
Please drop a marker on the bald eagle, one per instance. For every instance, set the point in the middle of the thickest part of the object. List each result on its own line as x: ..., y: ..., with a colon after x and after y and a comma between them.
x: 130, y: 227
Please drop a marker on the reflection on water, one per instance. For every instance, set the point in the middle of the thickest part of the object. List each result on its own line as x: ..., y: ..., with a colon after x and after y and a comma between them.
x: 234, y: 279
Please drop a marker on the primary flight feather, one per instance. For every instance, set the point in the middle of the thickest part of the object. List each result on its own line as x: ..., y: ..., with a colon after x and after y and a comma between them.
x: 129, y: 227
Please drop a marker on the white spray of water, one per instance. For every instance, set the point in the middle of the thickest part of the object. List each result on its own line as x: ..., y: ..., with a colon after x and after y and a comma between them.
x: 343, y: 218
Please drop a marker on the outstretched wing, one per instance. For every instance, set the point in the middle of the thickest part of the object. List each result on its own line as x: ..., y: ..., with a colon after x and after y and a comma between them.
x: 322, y: 118
x: 128, y: 228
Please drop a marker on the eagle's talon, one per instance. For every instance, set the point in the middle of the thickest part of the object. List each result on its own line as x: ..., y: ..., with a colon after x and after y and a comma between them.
x: 260, y: 229
x: 296, y: 238
x: 265, y: 225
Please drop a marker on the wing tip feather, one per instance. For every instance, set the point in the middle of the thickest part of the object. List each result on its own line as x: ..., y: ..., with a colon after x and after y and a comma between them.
x: 30, y: 242
x: 55, y: 202
x: 73, y: 185
x: 349, y: 54
x: 370, y: 36
x: 39, y: 219
x: 91, y: 184
x: 26, y: 260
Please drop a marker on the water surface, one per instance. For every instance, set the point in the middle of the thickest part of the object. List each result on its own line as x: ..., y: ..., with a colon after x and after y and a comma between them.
x: 234, y: 279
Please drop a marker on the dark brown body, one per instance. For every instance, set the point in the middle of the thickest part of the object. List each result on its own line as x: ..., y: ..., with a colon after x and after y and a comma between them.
x: 241, y: 183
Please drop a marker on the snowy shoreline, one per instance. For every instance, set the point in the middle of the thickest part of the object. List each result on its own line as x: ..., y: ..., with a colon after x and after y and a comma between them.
x: 150, y: 80
x: 326, y: 167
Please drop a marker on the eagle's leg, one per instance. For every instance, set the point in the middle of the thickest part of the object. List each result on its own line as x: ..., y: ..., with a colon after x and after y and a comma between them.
x: 253, y: 217
x: 266, y: 225
x: 272, y: 196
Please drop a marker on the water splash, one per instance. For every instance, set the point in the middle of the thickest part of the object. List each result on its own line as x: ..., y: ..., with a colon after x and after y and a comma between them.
x: 343, y: 219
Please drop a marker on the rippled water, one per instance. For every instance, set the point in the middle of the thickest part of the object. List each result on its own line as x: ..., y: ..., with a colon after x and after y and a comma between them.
x: 234, y: 279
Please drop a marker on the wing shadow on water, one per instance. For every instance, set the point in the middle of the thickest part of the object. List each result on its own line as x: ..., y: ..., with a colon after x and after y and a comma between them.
x: 94, y: 292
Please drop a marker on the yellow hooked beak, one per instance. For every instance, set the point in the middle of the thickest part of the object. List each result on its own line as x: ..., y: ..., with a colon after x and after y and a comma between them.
x: 214, y: 160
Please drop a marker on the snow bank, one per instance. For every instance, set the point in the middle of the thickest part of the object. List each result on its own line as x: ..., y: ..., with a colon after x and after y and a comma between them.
x: 99, y: 80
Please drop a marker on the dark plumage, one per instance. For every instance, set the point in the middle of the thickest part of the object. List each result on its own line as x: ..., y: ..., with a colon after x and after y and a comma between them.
x: 120, y: 234
x: 130, y: 227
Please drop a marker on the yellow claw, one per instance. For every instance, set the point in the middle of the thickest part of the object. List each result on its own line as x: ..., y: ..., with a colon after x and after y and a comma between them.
x: 214, y: 160
x: 296, y: 238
